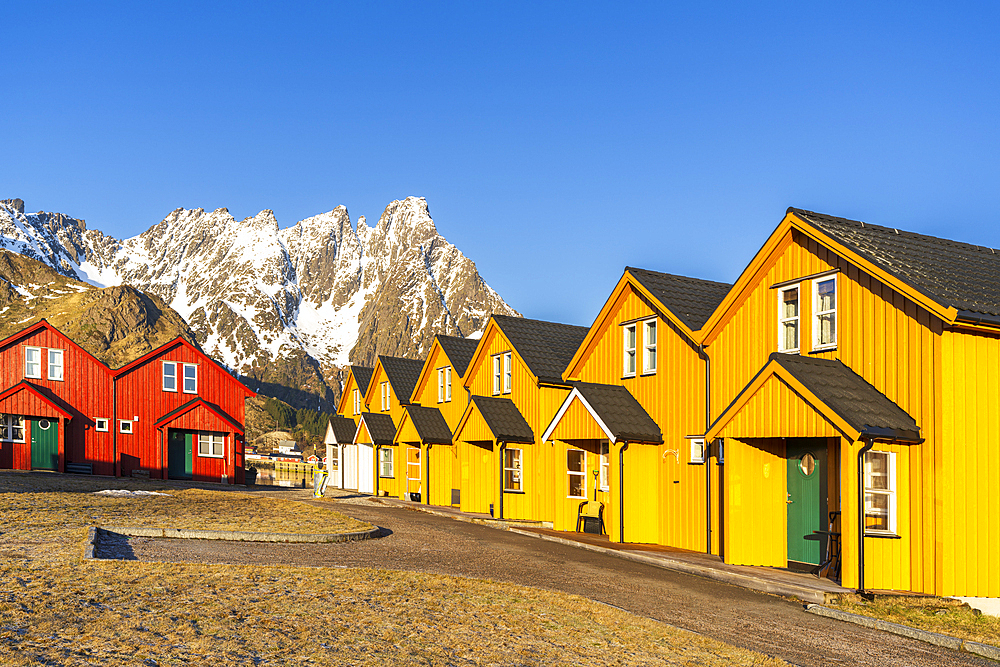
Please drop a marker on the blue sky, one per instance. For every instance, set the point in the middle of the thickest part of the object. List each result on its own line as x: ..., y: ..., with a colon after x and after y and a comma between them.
x: 556, y: 143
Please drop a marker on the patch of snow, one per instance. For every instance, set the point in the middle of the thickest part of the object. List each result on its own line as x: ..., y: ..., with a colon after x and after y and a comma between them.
x: 125, y: 493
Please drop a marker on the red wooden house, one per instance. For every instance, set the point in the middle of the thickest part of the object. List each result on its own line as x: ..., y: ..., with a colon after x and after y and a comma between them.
x: 55, y: 404
x: 179, y: 414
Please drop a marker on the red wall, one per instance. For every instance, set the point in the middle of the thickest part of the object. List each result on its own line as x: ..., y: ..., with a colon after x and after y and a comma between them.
x: 85, y: 392
x: 210, y: 468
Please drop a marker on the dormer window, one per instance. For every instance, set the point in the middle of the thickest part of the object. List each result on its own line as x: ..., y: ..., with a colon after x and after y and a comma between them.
x: 628, y: 344
x: 825, y: 313
x: 788, y: 319
x: 33, y: 362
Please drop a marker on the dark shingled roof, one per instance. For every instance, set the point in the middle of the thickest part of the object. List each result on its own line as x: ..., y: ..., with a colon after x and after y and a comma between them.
x: 430, y: 425
x: 504, y: 420
x: 692, y: 300
x: 958, y: 275
x: 380, y: 427
x: 363, y: 376
x: 845, y: 392
x: 620, y: 412
x: 343, y: 429
x: 403, y: 375
x: 459, y: 351
x: 546, y: 347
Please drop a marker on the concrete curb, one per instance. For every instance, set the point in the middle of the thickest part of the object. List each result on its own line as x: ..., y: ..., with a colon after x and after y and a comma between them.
x: 935, y: 638
x: 241, y: 536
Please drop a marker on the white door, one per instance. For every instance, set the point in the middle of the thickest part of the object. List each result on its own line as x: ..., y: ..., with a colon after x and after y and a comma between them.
x: 333, y: 464
x: 351, y: 467
x: 366, y: 468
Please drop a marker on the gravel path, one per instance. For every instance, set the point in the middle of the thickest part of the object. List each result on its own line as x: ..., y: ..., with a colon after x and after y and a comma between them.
x: 422, y: 542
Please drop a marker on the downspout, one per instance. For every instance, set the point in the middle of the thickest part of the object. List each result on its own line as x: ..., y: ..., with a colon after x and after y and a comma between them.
x: 870, y: 442
x: 621, y: 493
x: 377, y: 472
x: 114, y: 426
x: 503, y: 446
x: 427, y: 478
x: 708, y: 467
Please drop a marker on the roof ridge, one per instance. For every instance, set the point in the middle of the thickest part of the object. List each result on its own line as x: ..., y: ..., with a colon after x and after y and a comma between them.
x: 678, y: 276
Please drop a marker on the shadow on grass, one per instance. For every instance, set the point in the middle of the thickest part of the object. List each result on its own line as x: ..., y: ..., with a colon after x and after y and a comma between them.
x: 112, y: 546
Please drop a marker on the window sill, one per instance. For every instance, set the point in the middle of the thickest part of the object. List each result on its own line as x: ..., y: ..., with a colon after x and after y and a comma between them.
x: 55, y: 379
x: 172, y: 391
x: 795, y: 351
x: 516, y: 493
x: 696, y: 463
x: 211, y: 456
x: 577, y: 498
x: 387, y: 477
x: 819, y: 350
x: 629, y: 377
x: 191, y: 392
x: 883, y: 536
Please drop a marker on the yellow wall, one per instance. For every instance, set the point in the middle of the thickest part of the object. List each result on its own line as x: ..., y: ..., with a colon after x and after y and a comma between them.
x: 426, y: 393
x: 347, y: 400
x: 756, y: 516
x: 443, y: 461
x: 776, y: 410
x: 374, y: 396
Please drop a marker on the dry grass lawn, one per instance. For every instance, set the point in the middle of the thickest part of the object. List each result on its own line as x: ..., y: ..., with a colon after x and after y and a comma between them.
x: 58, y: 609
x: 949, y: 617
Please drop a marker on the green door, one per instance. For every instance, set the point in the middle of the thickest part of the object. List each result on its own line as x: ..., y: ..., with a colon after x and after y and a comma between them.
x: 806, y: 461
x: 44, y: 444
x: 180, y: 447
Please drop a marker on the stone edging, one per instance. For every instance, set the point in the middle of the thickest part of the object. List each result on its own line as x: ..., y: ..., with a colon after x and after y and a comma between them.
x: 936, y: 638
x: 233, y: 535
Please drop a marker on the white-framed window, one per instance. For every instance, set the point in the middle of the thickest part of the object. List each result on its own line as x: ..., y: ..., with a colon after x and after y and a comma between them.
x: 413, y: 464
x: 384, y: 390
x: 333, y: 462
x: 55, y: 364
x: 33, y: 362
x: 788, y: 319
x: 628, y: 350
x: 211, y: 445
x: 12, y: 428
x: 512, y: 467
x: 169, y: 376
x: 124, y: 425
x: 649, y: 346
x: 697, y: 449
x: 507, y: 372
x: 825, y: 313
x: 605, y: 456
x: 385, y: 462
x: 444, y: 384
x: 357, y: 401
x: 101, y: 424
x: 880, y: 492
x: 190, y: 379
x: 502, y: 373
x: 497, y: 374
x: 576, y: 471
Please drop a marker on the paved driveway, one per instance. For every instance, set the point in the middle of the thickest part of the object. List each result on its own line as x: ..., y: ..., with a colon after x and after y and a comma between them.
x: 427, y: 543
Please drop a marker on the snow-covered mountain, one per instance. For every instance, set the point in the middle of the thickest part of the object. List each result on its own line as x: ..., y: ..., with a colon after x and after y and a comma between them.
x: 289, y: 307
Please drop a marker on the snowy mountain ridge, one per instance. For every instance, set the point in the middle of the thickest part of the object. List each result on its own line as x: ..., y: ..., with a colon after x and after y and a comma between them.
x: 287, y: 307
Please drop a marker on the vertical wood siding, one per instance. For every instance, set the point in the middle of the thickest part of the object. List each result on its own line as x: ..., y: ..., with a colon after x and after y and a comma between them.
x: 755, y: 510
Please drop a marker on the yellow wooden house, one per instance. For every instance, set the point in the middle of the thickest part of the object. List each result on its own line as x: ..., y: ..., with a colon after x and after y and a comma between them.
x: 631, y: 432
x: 397, y: 467
x: 436, y: 407
x: 515, y: 383
x: 854, y: 380
x: 355, y: 464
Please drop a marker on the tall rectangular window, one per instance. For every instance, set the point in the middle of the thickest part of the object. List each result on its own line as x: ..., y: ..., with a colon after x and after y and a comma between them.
x: 357, y: 401
x: 497, y: 374
x: 512, y: 469
x: 649, y: 347
x: 413, y: 464
x: 447, y: 384
x: 12, y: 428
x: 385, y: 462
x: 211, y: 445
x: 440, y: 385
x: 628, y: 344
x: 880, y: 492
x: 33, y: 362
x: 788, y: 319
x: 385, y: 396
x: 825, y: 313
x: 605, y: 450
x: 507, y: 370
x: 576, y: 471
x: 190, y: 379
x: 169, y: 376
x: 55, y: 364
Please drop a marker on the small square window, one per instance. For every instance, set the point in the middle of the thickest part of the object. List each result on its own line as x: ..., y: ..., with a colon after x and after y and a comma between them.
x: 697, y: 448
x: 124, y: 426
x: 101, y: 424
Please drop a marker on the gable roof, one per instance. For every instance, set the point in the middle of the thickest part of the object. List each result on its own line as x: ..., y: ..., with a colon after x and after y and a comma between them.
x: 957, y: 275
x: 616, y: 411
x: 362, y: 376
x: 179, y: 341
x: 37, y: 394
x: 195, y: 403
x: 841, y: 395
x: 379, y: 426
x: 459, y: 350
x: 502, y: 417
x: 545, y: 347
x: 342, y: 429
x: 402, y: 375
x: 429, y: 424
x: 44, y: 324
x: 691, y: 300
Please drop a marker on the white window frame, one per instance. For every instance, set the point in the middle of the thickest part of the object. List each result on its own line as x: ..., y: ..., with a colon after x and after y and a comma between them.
x: 508, y: 372
x: 649, y: 349
x: 440, y: 385
x: 447, y: 384
x: 38, y: 374
x: 56, y: 352
x: 629, y: 364
x: 604, y: 455
x: 817, y: 313
x: 7, y: 425
x: 384, y: 390
x: 386, y: 458
x: 697, y: 450
x: 173, y: 365
x: 211, y: 440
x: 496, y: 374
x: 782, y: 320
x: 125, y: 426
x: 413, y: 464
x: 184, y: 379
x: 106, y: 426
x: 890, y: 492
x: 571, y: 473
x: 516, y: 470
x: 357, y: 401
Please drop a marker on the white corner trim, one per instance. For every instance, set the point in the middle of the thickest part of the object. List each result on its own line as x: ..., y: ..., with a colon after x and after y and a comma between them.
x: 565, y: 406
